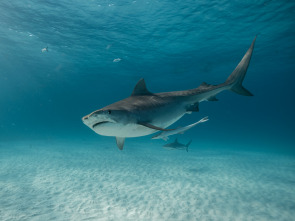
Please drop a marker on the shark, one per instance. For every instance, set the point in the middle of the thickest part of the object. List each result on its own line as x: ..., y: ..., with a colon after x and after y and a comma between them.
x: 177, y: 146
x: 144, y: 113
x: 165, y: 134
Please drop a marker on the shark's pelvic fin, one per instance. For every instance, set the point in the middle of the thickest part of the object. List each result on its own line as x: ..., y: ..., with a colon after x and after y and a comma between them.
x: 120, y: 142
x: 153, y: 126
x: 237, y: 76
x: 213, y: 98
x: 140, y: 89
x: 194, y: 107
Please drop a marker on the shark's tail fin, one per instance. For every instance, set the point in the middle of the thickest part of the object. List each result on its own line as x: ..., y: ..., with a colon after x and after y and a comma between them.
x: 188, y: 145
x: 237, y: 76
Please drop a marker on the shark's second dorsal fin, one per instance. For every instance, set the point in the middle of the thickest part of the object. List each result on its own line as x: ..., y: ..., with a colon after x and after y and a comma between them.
x: 204, y: 84
x: 140, y: 89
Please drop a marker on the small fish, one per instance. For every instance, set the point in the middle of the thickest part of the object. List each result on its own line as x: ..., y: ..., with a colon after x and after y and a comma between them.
x: 44, y: 49
x: 117, y: 60
x: 177, y: 146
x: 165, y: 134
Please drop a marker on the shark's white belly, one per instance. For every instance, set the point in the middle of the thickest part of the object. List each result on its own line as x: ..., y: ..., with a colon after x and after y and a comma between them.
x: 120, y: 130
x: 137, y: 130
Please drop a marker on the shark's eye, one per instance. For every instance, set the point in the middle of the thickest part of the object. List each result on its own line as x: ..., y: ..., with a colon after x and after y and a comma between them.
x: 109, y: 111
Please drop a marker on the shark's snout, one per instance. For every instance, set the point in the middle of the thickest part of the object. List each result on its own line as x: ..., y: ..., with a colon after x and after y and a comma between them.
x: 95, y: 119
x: 85, y: 118
x: 89, y: 116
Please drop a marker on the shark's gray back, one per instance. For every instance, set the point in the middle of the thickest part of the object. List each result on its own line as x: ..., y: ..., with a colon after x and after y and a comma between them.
x: 142, y: 102
x: 154, y: 100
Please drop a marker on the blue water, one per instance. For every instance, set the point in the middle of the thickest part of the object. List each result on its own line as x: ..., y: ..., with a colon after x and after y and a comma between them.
x: 245, y: 151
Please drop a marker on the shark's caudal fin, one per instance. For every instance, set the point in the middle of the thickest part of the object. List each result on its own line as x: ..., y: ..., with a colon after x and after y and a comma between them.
x: 188, y: 145
x: 237, y: 76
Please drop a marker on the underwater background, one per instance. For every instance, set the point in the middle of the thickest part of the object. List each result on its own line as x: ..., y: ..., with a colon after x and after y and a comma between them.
x: 241, y: 163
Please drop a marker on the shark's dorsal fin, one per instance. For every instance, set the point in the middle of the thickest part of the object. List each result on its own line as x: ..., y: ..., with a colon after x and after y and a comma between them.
x: 140, y: 89
x: 120, y: 142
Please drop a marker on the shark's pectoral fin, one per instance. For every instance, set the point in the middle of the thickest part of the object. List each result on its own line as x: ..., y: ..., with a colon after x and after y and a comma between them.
x: 194, y: 107
x: 120, y: 142
x: 153, y: 126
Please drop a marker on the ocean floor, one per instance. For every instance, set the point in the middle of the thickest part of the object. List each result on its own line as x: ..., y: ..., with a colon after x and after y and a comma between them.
x: 66, y: 180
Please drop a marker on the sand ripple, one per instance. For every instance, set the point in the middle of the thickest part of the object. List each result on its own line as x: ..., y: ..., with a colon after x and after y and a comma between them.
x: 87, y: 181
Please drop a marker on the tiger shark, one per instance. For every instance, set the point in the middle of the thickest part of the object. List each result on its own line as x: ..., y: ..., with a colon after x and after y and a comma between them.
x: 177, y: 146
x: 144, y: 112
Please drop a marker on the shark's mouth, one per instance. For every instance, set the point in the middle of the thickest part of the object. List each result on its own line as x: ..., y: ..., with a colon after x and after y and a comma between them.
x: 99, y: 123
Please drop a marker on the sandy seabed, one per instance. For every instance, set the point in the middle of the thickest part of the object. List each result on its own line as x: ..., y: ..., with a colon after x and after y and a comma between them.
x: 95, y: 181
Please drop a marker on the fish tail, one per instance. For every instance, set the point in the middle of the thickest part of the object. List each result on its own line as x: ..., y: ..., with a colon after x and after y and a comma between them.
x: 188, y: 145
x: 236, y: 78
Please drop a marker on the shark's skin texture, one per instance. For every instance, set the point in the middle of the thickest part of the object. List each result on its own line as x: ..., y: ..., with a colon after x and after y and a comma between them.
x: 144, y: 113
x: 177, y: 146
x: 165, y: 134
